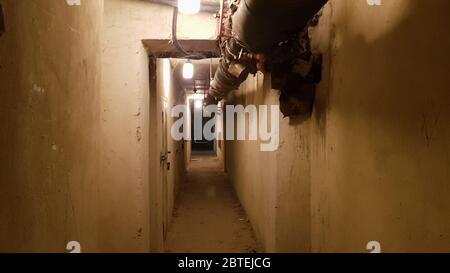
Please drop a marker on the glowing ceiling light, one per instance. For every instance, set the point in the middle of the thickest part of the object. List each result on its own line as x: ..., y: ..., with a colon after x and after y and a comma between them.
x: 189, y: 6
x: 188, y: 70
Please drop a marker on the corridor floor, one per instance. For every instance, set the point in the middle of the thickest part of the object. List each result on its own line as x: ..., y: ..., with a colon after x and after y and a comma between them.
x: 208, y: 218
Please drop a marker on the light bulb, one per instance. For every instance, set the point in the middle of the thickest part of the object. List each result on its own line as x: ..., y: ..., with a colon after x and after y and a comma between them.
x: 188, y: 70
x: 189, y: 6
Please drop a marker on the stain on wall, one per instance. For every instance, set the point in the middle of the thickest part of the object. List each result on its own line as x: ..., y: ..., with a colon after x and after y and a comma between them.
x: 2, y: 21
x: 373, y: 161
x: 49, y: 111
x: 125, y: 156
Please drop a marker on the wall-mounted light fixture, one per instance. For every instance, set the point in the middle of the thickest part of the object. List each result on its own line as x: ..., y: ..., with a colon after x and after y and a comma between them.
x: 188, y: 70
x: 189, y: 6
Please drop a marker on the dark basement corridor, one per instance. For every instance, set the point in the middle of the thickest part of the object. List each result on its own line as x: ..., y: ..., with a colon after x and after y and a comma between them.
x: 329, y: 121
x: 208, y: 216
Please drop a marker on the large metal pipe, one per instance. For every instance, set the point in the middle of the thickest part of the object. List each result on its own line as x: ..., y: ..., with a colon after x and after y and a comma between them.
x: 258, y: 26
x: 261, y: 24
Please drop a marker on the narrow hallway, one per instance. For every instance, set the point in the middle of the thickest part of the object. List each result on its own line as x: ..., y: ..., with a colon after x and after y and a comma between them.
x: 208, y: 217
x: 329, y: 121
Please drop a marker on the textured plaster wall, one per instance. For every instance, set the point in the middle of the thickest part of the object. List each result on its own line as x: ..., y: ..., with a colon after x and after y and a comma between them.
x: 50, y: 115
x: 130, y: 157
x: 373, y: 161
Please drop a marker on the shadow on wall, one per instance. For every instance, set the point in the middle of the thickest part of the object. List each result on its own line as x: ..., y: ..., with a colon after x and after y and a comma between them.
x: 387, y: 107
x: 381, y: 114
x: 396, y: 63
x: 397, y: 75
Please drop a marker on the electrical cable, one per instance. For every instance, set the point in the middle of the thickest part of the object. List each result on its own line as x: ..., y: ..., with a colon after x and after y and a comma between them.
x: 176, y: 43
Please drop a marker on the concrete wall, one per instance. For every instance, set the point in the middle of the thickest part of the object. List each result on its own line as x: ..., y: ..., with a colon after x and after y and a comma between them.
x: 372, y: 163
x: 74, y: 105
x: 220, y: 142
x: 130, y: 163
x: 163, y: 199
x: 49, y: 110
x: 272, y: 186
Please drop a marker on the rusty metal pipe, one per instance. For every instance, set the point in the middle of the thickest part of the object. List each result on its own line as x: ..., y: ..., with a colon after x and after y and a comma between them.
x: 258, y: 26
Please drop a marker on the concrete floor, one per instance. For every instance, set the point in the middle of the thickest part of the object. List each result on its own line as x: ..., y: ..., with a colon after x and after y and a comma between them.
x: 208, y: 217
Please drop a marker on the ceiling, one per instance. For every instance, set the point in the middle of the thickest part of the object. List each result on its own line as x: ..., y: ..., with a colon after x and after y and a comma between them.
x: 209, y: 6
x: 203, y: 69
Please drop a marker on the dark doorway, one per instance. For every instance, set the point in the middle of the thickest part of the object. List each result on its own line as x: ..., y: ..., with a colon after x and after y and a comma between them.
x: 202, y: 146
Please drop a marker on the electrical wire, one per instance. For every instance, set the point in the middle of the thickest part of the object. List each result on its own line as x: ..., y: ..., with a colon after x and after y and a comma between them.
x: 176, y: 43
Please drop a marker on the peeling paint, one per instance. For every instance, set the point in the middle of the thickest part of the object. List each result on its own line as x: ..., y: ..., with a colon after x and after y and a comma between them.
x: 55, y: 147
x: 73, y: 2
x: 38, y: 89
x: 139, y: 134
